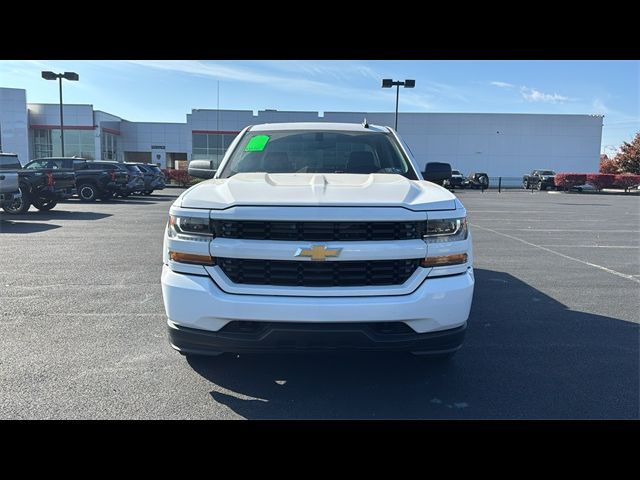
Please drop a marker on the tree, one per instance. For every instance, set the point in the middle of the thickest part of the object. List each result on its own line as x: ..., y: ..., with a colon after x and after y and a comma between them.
x: 628, y: 159
x: 608, y: 165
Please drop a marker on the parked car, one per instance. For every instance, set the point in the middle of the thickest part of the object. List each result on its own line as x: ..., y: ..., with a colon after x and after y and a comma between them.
x: 478, y: 180
x: 9, y: 184
x: 136, y: 180
x: 93, y: 179
x: 153, y: 178
x: 43, y: 183
x: 540, y: 179
x: 457, y: 180
x: 317, y: 236
x: 583, y: 188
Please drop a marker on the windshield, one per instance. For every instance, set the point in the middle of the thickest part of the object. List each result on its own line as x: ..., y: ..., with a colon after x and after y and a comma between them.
x: 9, y: 162
x: 546, y: 172
x: 133, y: 168
x: 455, y: 172
x: 308, y: 151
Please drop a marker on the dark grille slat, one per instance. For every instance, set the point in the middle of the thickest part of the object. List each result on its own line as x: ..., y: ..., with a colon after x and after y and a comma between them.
x: 317, y: 274
x: 317, y: 231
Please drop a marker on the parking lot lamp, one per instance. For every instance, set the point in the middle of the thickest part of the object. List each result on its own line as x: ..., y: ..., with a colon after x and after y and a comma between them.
x: 388, y: 83
x: 72, y: 76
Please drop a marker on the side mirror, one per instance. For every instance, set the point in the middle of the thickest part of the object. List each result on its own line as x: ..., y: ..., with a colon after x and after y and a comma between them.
x: 201, y: 169
x: 437, y: 172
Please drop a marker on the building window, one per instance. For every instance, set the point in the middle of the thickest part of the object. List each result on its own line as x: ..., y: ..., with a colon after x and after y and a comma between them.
x: 109, y: 145
x: 78, y: 143
x: 42, y: 146
x: 211, y: 146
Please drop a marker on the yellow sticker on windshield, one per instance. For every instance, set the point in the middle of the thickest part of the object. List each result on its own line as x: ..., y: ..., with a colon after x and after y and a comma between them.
x: 257, y: 143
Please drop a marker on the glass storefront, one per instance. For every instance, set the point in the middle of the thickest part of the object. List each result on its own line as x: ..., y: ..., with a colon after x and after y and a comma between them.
x: 211, y: 146
x: 46, y: 143
x: 109, y: 144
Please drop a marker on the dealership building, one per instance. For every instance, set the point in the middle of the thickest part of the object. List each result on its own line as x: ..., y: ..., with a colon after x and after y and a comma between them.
x: 500, y: 144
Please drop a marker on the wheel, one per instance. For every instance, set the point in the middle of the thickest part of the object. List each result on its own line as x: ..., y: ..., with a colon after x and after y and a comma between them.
x: 19, y: 206
x: 525, y: 185
x: 44, y: 204
x: 539, y: 186
x: 87, y: 192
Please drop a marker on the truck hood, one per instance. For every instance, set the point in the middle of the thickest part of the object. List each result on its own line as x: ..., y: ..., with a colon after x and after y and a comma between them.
x: 314, y: 189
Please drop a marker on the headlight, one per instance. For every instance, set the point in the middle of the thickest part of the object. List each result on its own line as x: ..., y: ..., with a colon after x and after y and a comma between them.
x: 190, y: 228
x: 446, y: 230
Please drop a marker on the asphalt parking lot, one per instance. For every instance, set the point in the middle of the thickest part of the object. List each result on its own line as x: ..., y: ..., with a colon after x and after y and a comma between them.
x: 553, y: 331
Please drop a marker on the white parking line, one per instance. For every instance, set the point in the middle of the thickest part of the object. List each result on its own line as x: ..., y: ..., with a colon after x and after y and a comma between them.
x: 527, y: 220
x: 510, y: 211
x: 593, y: 246
x: 600, y: 267
x: 563, y: 230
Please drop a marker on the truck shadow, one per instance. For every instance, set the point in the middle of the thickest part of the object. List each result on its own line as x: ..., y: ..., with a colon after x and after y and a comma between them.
x: 57, y: 215
x: 7, y: 226
x: 526, y: 356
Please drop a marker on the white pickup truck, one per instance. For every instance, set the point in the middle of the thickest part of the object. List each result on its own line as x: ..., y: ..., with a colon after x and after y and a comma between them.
x: 9, y: 185
x: 317, y: 236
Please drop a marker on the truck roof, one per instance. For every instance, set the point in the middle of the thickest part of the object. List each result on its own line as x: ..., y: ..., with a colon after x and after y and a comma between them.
x: 349, y: 127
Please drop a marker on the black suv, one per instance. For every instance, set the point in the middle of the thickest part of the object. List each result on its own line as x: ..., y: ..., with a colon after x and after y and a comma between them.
x: 93, y: 179
x: 136, y: 180
x: 153, y: 178
x: 43, y: 183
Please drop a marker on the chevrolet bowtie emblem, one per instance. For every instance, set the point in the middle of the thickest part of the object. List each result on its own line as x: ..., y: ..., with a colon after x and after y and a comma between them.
x: 318, y: 253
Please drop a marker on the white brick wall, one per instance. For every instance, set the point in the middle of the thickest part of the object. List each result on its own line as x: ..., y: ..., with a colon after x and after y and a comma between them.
x: 14, y: 122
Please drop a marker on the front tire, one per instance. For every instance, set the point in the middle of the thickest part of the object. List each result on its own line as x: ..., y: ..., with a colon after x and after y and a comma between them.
x: 87, y: 192
x: 525, y: 185
x: 18, y: 207
x: 44, y: 205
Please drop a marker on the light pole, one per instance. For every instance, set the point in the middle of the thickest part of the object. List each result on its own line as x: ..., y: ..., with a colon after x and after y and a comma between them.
x: 388, y: 83
x: 74, y: 77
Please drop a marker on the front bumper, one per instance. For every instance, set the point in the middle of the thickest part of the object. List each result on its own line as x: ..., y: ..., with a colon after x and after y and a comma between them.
x: 291, y: 337
x: 196, y: 302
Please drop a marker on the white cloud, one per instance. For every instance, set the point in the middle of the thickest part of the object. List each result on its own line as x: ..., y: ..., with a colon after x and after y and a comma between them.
x: 533, y: 95
x: 282, y: 82
x: 339, y: 69
x: 502, y: 84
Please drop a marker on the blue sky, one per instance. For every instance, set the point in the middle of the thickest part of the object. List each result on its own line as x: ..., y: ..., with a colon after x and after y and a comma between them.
x: 164, y: 91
